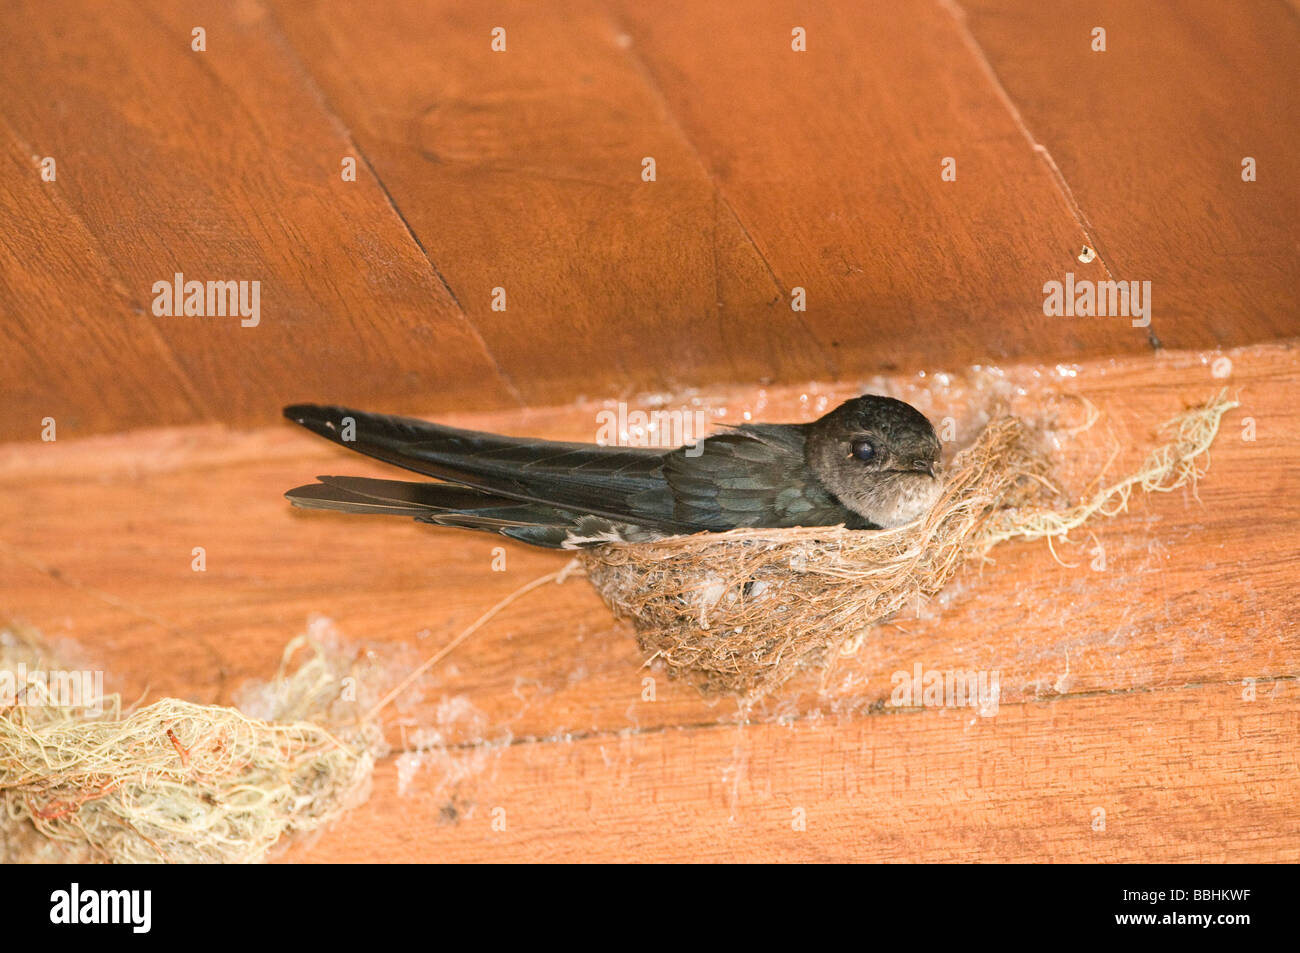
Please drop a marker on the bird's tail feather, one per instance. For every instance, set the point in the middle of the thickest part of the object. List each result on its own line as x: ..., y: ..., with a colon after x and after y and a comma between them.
x: 619, y: 483
x: 441, y: 503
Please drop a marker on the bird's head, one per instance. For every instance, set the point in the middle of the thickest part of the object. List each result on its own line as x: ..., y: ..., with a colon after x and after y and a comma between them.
x: 879, y: 457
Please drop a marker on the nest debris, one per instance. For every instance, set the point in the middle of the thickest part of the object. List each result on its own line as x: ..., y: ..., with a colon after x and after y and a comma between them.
x: 175, y: 781
x: 744, y: 611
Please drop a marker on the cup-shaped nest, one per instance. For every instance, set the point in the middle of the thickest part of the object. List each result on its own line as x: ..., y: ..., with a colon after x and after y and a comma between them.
x: 742, y: 611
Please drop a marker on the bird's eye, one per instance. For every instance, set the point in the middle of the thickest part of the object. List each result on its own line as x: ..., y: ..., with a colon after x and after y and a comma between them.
x: 863, y: 450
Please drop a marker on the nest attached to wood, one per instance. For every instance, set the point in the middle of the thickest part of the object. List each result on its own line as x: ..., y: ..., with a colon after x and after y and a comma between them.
x: 745, y: 610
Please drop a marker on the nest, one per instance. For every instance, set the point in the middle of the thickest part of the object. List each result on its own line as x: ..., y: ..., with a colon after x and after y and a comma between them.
x: 743, y: 611
x: 175, y: 781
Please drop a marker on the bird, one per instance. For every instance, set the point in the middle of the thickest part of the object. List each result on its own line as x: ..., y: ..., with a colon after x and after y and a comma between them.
x: 872, y: 463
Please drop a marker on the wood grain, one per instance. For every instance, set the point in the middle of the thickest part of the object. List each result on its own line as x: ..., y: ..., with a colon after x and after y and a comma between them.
x: 220, y: 165
x: 832, y: 160
x: 1196, y: 595
x: 1151, y: 134
x: 521, y: 170
x: 1165, y: 774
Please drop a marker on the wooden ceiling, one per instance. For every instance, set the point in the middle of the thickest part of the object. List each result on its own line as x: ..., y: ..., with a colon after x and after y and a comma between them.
x: 522, y: 170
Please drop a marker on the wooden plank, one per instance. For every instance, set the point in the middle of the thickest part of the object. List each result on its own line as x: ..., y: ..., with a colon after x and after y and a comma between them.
x: 96, y: 541
x: 522, y: 171
x: 775, y: 170
x: 220, y: 165
x: 1151, y: 135
x: 832, y: 161
x: 55, y: 286
x: 1194, y: 774
x: 1125, y: 661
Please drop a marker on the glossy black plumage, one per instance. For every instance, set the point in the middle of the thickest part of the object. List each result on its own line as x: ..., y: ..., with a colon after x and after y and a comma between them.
x: 567, y: 495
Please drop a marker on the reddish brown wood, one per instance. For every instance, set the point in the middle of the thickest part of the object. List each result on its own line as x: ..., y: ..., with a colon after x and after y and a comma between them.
x: 1151, y: 134
x: 1030, y: 786
x: 1197, y: 590
x: 521, y: 170
x: 221, y: 165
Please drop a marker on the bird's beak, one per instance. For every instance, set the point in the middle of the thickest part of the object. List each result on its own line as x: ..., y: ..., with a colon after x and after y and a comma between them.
x: 925, y: 466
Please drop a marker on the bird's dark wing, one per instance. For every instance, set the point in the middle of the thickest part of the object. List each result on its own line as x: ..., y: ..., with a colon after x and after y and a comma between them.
x: 754, y: 475
x: 614, y: 482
